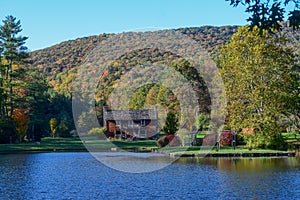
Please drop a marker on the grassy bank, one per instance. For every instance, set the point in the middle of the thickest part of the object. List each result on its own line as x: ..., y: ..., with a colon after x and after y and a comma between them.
x: 46, y: 143
x: 203, y: 150
x: 291, y: 136
x: 76, y: 144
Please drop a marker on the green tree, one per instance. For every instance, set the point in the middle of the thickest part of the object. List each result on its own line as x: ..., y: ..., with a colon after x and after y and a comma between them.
x: 65, y: 126
x: 138, y: 98
x: 197, y: 82
x: 2, y: 91
x: 294, y: 119
x: 60, y: 107
x: 256, y: 69
x: 171, y: 124
x: 152, y: 95
x: 37, y: 98
x: 13, y: 54
x: 166, y: 98
x: 7, y: 131
x: 267, y: 14
x: 202, y: 122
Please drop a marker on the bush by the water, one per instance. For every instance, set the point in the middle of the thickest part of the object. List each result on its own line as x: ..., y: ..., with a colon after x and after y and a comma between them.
x: 226, y: 138
x: 170, y: 140
x: 278, y: 143
x: 211, y: 139
x: 266, y: 140
x: 161, y: 142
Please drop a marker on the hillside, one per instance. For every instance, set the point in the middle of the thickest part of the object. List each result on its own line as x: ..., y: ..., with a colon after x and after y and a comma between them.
x: 70, y: 54
x: 61, y: 61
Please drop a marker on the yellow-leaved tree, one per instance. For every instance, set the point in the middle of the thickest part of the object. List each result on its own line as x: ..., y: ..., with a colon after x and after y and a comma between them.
x: 256, y: 70
x: 53, y: 126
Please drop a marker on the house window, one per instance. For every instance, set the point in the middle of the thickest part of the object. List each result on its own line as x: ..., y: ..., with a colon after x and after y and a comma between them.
x: 130, y: 123
x: 118, y: 123
x: 143, y: 122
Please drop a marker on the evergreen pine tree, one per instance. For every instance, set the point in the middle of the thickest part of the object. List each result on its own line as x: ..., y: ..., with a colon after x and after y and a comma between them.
x: 13, y: 54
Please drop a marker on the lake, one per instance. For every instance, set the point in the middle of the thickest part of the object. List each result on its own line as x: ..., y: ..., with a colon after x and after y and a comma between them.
x: 81, y: 176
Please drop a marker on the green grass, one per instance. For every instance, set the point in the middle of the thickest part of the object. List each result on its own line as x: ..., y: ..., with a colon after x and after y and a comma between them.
x: 291, y: 136
x: 77, y: 144
x: 198, y: 150
x: 201, y: 135
x: 46, y: 143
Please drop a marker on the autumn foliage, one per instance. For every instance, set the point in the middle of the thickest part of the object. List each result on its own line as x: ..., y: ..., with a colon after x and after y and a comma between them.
x: 22, y: 120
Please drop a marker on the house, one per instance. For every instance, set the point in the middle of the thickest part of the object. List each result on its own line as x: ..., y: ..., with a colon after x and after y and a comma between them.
x: 141, y: 124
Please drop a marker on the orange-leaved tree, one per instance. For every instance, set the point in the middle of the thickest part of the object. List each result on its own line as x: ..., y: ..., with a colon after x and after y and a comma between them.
x: 22, y: 120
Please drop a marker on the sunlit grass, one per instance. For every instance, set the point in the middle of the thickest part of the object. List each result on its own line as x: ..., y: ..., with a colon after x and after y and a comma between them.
x: 291, y: 136
x: 77, y: 144
x: 203, y: 150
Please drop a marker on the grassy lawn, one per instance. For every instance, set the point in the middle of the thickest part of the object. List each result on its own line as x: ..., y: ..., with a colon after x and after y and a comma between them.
x: 202, y: 134
x: 291, y: 136
x: 203, y: 150
x: 77, y: 144
x: 46, y: 143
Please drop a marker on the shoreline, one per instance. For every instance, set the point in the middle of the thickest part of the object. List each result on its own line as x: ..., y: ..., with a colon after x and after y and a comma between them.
x: 172, y: 155
x: 236, y: 154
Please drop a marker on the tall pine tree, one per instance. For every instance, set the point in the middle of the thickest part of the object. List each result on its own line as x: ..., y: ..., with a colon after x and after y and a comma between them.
x: 13, y: 54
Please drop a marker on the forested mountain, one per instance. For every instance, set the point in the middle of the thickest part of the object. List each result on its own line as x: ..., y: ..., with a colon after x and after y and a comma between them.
x: 60, y: 63
x: 69, y: 54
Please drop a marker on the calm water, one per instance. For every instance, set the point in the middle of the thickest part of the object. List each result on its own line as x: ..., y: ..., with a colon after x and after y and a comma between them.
x: 81, y: 176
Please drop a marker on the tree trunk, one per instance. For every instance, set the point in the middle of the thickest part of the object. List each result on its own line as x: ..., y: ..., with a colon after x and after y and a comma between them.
x: 11, y: 89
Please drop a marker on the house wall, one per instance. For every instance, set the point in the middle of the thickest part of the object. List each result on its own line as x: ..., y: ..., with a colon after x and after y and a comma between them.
x: 147, y: 131
x: 111, y: 127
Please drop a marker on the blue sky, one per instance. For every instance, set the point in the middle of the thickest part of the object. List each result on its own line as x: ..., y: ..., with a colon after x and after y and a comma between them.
x: 48, y: 22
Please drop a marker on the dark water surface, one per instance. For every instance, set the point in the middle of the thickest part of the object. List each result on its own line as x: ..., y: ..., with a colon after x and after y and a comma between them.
x: 81, y: 176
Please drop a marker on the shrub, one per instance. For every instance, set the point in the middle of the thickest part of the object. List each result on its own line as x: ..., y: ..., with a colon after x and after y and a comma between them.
x: 278, y: 143
x: 250, y: 140
x: 100, y: 132
x: 226, y: 138
x: 210, y: 139
x: 161, y: 142
x: 65, y: 127
x: 240, y: 140
x: 200, y: 136
x: 270, y: 139
x: 171, y: 140
x: 202, y: 122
